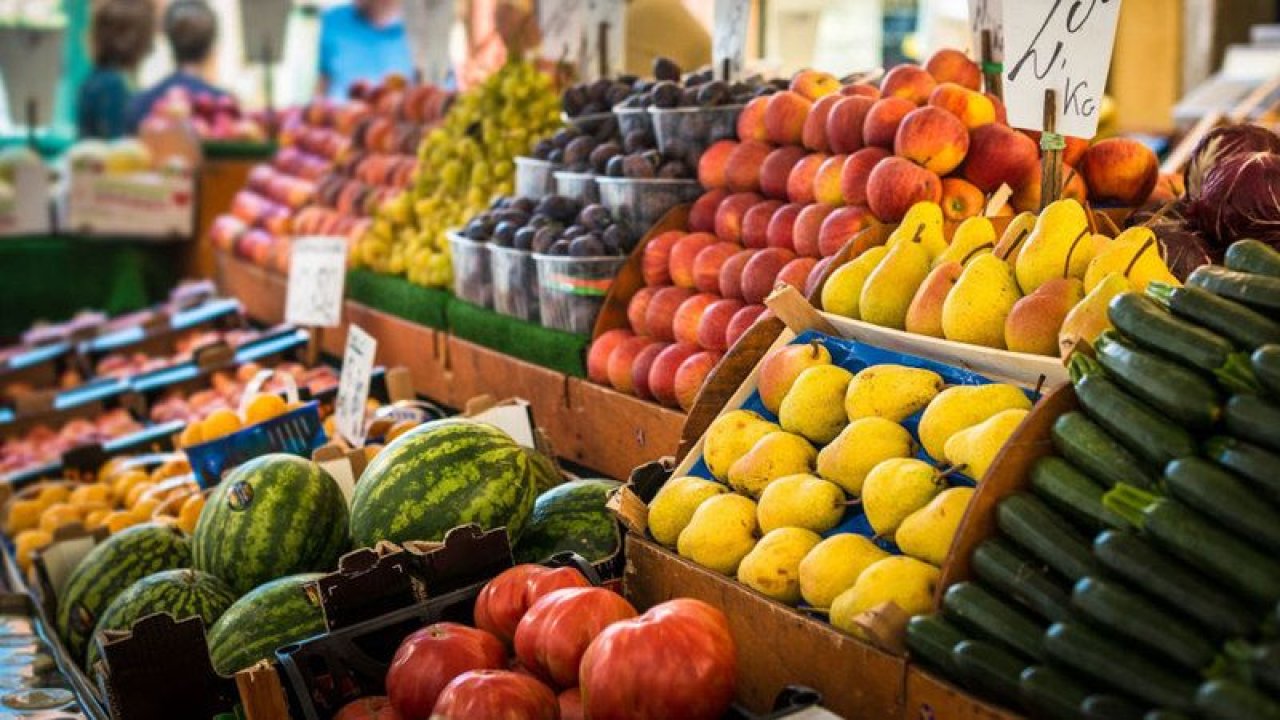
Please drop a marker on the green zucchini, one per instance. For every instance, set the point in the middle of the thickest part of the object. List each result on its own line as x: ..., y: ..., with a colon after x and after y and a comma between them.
x: 1112, y: 606
x: 1263, y: 664
x: 1253, y: 256
x: 1170, y: 388
x: 1139, y: 428
x: 1225, y: 699
x: 1051, y: 693
x: 1044, y: 534
x: 1084, y: 650
x: 970, y: 605
x: 1249, y: 461
x: 1251, y: 418
x: 1222, y: 496
x: 1246, y: 328
x: 931, y: 638
x: 1072, y: 493
x: 1109, y: 707
x: 1145, y: 567
x: 1266, y: 366
x: 1257, y: 291
x: 1100, y: 456
x: 989, y: 670
x: 1201, y: 543
x: 1003, y: 568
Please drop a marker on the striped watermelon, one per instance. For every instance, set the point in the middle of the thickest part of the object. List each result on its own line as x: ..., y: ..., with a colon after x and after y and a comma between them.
x: 546, y: 474
x: 571, y: 517
x: 440, y: 476
x: 181, y: 593
x: 276, y: 515
x: 108, y: 570
x: 276, y: 614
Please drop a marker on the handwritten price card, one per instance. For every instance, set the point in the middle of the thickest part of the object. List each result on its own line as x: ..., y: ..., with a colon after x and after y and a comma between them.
x: 729, y: 43
x: 1059, y: 45
x: 987, y: 15
x: 353, y: 385
x: 563, y: 25
x: 611, y: 16
x: 428, y: 24
x: 317, y: 271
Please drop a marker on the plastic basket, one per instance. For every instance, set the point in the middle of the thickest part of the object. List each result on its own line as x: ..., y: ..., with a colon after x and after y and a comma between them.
x: 470, y: 270
x: 694, y: 129
x: 633, y: 119
x: 515, y: 282
x: 534, y: 177
x: 571, y: 290
x: 580, y: 186
x: 641, y: 203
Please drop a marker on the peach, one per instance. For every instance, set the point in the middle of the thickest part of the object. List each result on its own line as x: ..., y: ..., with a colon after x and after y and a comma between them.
x: 808, y: 227
x: 638, y: 306
x: 1120, y: 171
x: 1027, y: 197
x: 691, y: 375
x: 845, y: 123
x: 751, y: 120
x: 896, y: 184
x: 715, y: 321
x: 972, y: 108
x: 861, y: 90
x: 623, y: 359
x: 642, y: 365
x: 1002, y: 115
x: 1074, y: 150
x: 1169, y: 187
x: 660, y: 316
x: 598, y: 356
x: 814, y: 84
x: 785, y: 116
x: 949, y: 65
x: 999, y: 155
x: 840, y: 227
x: 655, y: 262
x: 800, y: 181
x: 761, y: 272
x: 662, y: 375
x: 814, y: 136
x: 742, y: 322
x: 731, y: 275
x: 706, y: 267
x: 683, y: 253
x: 934, y: 138
x: 730, y: 213
x: 689, y: 317
x: 818, y: 275
x: 755, y: 224
x: 742, y: 171
x: 853, y: 177
x: 702, y: 217
x: 960, y: 199
x: 909, y: 82
x: 881, y: 125
x: 796, y: 272
x: 776, y: 170
x: 781, y: 232
x: 713, y: 164
x: 826, y: 184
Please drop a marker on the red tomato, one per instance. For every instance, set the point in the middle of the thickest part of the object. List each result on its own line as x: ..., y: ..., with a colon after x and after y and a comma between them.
x: 369, y: 708
x: 698, y: 687
x: 431, y: 658
x: 558, y: 628
x: 496, y: 695
x: 507, y: 597
x: 571, y: 705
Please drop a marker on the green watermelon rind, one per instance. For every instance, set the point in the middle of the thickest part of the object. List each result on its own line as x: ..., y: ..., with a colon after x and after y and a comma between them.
x: 273, y: 615
x: 572, y: 517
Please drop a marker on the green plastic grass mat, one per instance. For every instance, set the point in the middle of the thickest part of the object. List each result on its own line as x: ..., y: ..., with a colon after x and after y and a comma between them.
x: 399, y: 297
x: 237, y: 150
x: 555, y: 349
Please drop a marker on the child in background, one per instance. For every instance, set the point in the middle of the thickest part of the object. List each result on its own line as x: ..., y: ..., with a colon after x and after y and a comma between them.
x: 191, y: 29
x: 121, y: 34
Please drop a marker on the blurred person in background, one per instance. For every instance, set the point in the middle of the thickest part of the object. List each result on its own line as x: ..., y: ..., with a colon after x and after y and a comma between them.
x: 121, y: 34
x: 361, y: 40
x: 191, y: 28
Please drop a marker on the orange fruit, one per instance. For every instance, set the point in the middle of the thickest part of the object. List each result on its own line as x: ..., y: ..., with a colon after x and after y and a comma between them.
x: 57, y: 515
x: 220, y: 423
x: 145, y: 509
x: 399, y: 429
x: 170, y: 468
x: 94, y: 518
x: 119, y: 520
x: 23, y: 515
x: 371, y: 452
x: 27, y: 543
x: 50, y: 494
x: 263, y: 407
x: 123, y: 484
x: 135, y: 493
x: 192, y: 434
x: 85, y: 494
x: 111, y: 468
x: 189, y: 514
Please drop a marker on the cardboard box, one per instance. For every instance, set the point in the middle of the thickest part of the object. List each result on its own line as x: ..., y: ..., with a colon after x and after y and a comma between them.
x: 25, y: 207
x: 149, y: 204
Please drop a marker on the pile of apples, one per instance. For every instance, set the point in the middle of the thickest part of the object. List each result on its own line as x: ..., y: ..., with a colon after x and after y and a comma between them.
x: 224, y: 393
x: 42, y: 445
x: 212, y: 117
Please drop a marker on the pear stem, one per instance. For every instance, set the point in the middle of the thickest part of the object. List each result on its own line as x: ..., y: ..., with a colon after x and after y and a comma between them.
x: 1066, y: 263
x: 972, y: 253
x: 952, y: 469
x: 919, y: 233
x: 817, y: 610
x: 816, y: 347
x: 1016, y: 242
x: 1134, y: 261
x: 1115, y: 229
x: 850, y: 503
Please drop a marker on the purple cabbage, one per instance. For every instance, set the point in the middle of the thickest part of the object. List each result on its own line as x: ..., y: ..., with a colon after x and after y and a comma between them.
x: 1222, y: 143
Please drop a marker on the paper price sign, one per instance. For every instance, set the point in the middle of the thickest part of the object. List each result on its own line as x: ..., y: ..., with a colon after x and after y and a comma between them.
x: 729, y: 43
x: 317, y: 271
x: 609, y: 15
x: 1060, y: 46
x: 428, y: 24
x: 563, y: 25
x: 987, y: 15
x: 353, y: 385
x: 262, y: 24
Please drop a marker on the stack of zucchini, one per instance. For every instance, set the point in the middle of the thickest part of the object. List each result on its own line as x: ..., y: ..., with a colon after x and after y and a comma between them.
x: 1140, y: 575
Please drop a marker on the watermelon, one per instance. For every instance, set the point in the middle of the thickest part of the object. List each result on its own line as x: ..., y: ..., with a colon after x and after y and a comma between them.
x: 181, y: 593
x: 108, y: 570
x: 439, y: 476
x: 571, y: 517
x: 546, y: 474
x: 273, y: 516
x: 279, y: 613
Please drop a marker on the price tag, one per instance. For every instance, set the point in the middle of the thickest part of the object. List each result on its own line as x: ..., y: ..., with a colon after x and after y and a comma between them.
x: 729, y: 43
x: 606, y: 18
x: 353, y: 385
x: 30, y: 63
x: 262, y: 24
x: 428, y: 24
x: 317, y: 271
x: 563, y: 30
x: 987, y: 15
x: 1064, y: 47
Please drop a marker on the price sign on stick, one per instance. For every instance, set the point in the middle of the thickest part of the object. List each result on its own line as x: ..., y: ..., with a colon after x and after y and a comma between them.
x: 1063, y: 47
x: 428, y: 24
x: 30, y: 62
x: 262, y: 23
x: 353, y: 386
x: 563, y: 25
x: 987, y: 15
x: 606, y: 37
x: 317, y: 271
x: 729, y: 43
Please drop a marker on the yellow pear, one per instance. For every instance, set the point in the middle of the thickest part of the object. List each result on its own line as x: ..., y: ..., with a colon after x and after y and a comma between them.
x: 976, y: 447
x: 775, y: 455
x: 843, y: 290
x: 976, y: 308
x: 890, y: 287
x: 730, y: 436
x: 1086, y: 321
x: 780, y: 368
x: 1015, y: 236
x: 898, y: 579
x: 813, y: 407
x: 834, y: 565
x: 924, y: 315
x: 962, y: 406
x: 973, y: 236
x: 893, y: 392
x: 897, y: 487
x: 721, y: 532
x: 926, y: 534
x: 675, y: 503
x: 859, y: 448
x: 1033, y: 324
x: 1135, y: 254
x: 923, y: 223
x: 1057, y: 247
x: 803, y: 501
x: 772, y: 568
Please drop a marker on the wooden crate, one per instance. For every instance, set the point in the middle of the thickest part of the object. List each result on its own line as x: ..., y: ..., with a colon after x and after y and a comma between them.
x: 932, y: 698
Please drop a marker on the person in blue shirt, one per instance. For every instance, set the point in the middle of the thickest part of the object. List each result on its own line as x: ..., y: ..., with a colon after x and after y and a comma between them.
x: 121, y: 33
x: 191, y: 29
x: 361, y: 41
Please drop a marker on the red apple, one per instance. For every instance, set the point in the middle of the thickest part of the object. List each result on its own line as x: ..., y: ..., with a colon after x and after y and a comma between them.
x: 999, y: 155
x: 742, y: 171
x: 713, y: 164
x: 781, y: 231
x: 661, y: 314
x: 842, y: 226
x: 806, y: 230
x: 742, y: 322
x: 598, y: 356
x: 933, y: 138
x: 662, y: 377
x: 814, y: 136
x: 755, y: 224
x: 731, y: 274
x: 691, y: 375
x: 702, y: 217
x: 637, y: 307
x: 761, y: 272
x: 856, y: 171
x: 909, y: 82
x: 776, y: 170
x: 706, y: 267
x: 800, y: 181
x: 951, y: 65
x: 845, y: 124
x: 685, y: 251
x: 896, y: 184
x: 689, y: 317
x: 730, y: 214
x: 640, y: 369
x: 655, y: 263
x: 883, y: 119
x: 715, y: 321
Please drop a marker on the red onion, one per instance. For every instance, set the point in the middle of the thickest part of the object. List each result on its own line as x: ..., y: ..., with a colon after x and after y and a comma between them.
x: 1240, y: 197
x: 1222, y: 143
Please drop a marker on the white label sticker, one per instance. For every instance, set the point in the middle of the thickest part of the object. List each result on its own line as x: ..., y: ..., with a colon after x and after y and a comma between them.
x: 317, y: 271
x: 428, y: 24
x: 563, y: 25
x: 729, y: 43
x: 987, y: 15
x: 353, y: 385
x: 607, y: 19
x: 1059, y: 46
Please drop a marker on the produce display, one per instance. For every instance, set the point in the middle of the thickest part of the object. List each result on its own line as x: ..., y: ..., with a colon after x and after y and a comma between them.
x: 127, y: 364
x: 211, y: 117
x: 42, y: 444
